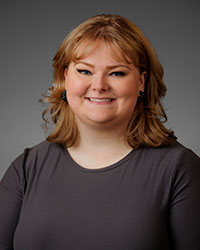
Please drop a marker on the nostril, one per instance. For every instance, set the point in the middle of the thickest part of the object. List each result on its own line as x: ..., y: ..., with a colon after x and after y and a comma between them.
x: 100, y: 87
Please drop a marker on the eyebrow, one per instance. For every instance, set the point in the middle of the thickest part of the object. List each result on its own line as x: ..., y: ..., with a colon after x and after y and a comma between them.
x: 108, y: 67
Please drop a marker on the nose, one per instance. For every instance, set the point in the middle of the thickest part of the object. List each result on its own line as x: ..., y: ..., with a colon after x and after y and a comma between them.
x: 99, y: 83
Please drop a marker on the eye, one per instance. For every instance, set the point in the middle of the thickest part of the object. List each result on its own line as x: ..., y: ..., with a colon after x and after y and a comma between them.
x: 84, y: 71
x: 118, y: 73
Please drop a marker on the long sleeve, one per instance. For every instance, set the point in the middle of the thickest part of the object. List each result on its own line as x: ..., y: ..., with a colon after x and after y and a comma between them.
x: 184, y: 216
x: 11, y: 195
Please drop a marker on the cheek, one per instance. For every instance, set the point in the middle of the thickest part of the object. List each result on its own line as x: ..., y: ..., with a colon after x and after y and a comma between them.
x: 75, y: 87
x: 129, y: 89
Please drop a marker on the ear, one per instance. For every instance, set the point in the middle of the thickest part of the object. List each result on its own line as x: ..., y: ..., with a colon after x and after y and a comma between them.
x: 65, y: 76
x: 143, y: 77
x: 65, y: 73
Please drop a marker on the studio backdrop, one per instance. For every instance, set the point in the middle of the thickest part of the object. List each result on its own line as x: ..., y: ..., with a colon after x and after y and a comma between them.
x: 31, y: 32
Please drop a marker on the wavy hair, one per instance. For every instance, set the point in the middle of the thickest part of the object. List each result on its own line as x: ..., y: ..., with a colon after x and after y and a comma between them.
x: 145, y: 127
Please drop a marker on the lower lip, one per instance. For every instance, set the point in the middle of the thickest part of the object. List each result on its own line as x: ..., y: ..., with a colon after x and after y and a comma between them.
x: 101, y: 103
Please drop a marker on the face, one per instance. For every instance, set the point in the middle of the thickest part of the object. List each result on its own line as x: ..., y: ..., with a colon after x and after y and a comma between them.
x: 102, y: 90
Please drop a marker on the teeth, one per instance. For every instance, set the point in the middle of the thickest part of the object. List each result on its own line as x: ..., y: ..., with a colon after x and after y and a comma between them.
x: 100, y: 100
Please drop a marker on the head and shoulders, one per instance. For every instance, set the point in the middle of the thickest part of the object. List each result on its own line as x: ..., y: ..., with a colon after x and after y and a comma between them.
x: 114, y: 88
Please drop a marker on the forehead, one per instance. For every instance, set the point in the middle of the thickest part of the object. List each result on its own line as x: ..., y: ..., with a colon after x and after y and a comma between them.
x: 87, y: 47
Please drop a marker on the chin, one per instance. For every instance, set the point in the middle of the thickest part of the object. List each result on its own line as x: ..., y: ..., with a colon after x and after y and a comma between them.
x: 99, y: 117
x: 101, y: 121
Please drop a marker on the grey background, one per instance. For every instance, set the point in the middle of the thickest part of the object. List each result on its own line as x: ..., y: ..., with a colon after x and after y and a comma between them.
x: 31, y: 32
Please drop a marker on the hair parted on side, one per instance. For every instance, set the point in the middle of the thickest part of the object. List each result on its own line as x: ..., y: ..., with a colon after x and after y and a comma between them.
x: 146, y: 125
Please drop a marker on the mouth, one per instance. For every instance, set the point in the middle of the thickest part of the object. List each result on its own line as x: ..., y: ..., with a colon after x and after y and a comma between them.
x: 100, y: 100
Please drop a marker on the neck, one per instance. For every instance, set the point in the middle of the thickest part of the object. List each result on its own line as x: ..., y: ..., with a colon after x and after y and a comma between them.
x: 100, y: 136
x: 98, y: 147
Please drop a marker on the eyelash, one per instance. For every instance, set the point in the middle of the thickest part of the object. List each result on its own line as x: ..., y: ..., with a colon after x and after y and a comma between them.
x: 118, y: 73
x: 87, y: 72
x: 84, y: 71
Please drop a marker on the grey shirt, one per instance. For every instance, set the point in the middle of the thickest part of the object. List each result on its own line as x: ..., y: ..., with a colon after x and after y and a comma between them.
x: 149, y: 200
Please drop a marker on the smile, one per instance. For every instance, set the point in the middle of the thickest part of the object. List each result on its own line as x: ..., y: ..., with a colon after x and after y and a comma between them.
x: 100, y: 100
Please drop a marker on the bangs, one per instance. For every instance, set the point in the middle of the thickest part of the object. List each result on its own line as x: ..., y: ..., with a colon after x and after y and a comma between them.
x: 85, y: 46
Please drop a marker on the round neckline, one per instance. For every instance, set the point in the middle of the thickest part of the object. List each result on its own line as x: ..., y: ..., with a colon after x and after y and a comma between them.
x: 75, y: 165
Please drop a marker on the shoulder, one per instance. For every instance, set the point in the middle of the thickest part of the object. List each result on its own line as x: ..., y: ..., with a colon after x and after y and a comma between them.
x: 25, y: 166
x: 39, y: 151
x: 170, y: 160
x: 174, y: 170
x: 172, y: 153
x: 34, y: 158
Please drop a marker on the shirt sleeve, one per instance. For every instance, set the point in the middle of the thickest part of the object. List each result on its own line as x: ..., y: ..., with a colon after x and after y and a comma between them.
x: 184, y: 215
x: 12, y: 188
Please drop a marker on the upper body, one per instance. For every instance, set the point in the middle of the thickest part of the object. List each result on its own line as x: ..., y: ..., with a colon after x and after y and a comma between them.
x: 150, y: 199
x: 111, y: 175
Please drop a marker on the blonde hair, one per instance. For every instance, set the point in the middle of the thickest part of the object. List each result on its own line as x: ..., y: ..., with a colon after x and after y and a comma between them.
x: 146, y: 125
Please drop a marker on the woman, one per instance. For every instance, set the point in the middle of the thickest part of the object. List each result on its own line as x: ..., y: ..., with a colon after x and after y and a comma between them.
x: 110, y: 175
